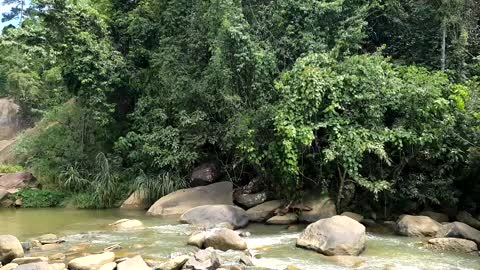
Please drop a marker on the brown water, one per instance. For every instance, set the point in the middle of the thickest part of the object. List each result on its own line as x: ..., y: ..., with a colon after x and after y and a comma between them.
x: 162, y: 237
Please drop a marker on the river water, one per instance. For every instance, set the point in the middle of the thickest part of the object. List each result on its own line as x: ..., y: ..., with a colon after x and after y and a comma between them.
x: 275, y: 245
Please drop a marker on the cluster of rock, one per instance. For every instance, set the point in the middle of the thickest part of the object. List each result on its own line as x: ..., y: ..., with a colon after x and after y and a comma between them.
x: 11, y: 183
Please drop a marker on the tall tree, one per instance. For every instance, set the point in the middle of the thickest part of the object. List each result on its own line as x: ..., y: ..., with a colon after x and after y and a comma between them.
x: 16, y: 12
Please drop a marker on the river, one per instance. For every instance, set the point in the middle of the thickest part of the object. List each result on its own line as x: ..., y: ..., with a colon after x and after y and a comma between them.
x: 275, y: 245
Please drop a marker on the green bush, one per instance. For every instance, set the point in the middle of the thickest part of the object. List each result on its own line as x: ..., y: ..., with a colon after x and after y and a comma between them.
x: 35, y: 198
x: 84, y: 201
x: 6, y: 168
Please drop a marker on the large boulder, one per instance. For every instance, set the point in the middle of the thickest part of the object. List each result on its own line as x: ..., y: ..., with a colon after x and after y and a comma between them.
x: 211, y: 215
x: 417, y: 226
x: 136, y: 200
x: 338, y: 235
x: 91, y: 262
x: 468, y: 219
x: 181, y: 201
x: 263, y: 211
x: 15, y: 181
x: 34, y: 266
x: 353, y: 216
x: 249, y: 200
x: 205, y: 259
x: 135, y: 263
x: 224, y: 239
x: 127, y: 225
x: 439, y: 217
x: 27, y: 260
x: 205, y: 174
x: 321, y: 207
x: 460, y: 230
x: 10, y: 248
x: 452, y: 244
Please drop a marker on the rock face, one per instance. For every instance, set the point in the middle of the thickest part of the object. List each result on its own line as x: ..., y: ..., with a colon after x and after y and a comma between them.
x: 460, y: 230
x: 135, y: 263
x: 338, y: 235
x: 452, y: 244
x: 468, y: 219
x: 205, y: 174
x: 10, y: 248
x: 9, y: 118
x: 127, y: 225
x: 287, y: 219
x: 205, y: 259
x: 322, y: 207
x: 211, y: 215
x: 181, y: 201
x: 263, y: 211
x: 417, y: 226
x: 439, y: 217
x: 353, y: 216
x: 92, y: 262
x: 11, y: 182
x: 224, y: 239
x: 250, y: 200
x: 135, y: 201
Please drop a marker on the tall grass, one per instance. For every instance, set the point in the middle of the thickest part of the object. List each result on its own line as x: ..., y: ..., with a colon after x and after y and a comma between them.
x: 154, y: 187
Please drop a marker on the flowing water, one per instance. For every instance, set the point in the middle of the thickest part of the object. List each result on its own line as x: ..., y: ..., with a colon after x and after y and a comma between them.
x: 275, y: 245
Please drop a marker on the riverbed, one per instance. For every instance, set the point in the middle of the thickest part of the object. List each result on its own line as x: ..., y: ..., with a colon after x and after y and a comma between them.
x: 274, y: 246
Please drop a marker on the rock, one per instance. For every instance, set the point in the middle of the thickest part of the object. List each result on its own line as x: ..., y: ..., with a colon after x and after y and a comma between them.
x: 346, y: 261
x: 12, y: 182
x: 244, y: 259
x: 322, y: 207
x: 59, y: 266
x: 197, y: 239
x: 439, y: 217
x: 135, y: 263
x: 174, y: 264
x: 224, y: 239
x: 460, y: 230
x: 10, y: 266
x: 3, y: 194
x: 209, y: 215
x: 58, y: 258
x: 287, y: 219
x: 26, y: 260
x: 468, y: 219
x: 338, y: 235
x: 452, y: 244
x: 181, y: 201
x: 91, y: 262
x: 137, y: 200
x: 10, y: 248
x: 49, y: 247
x: 417, y: 226
x: 127, y: 225
x: 205, y: 174
x: 80, y: 247
x: 49, y: 239
x: 250, y: 200
x: 112, y: 248
x: 368, y: 222
x: 205, y: 259
x: 108, y: 266
x: 353, y: 216
x: 18, y: 203
x: 292, y: 267
x: 34, y: 266
x: 7, y: 203
x: 263, y: 211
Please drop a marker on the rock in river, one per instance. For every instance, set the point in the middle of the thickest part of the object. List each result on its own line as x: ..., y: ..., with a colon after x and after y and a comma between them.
x: 34, y: 266
x: 181, y: 201
x: 249, y: 200
x: 135, y: 263
x: 321, y: 207
x: 127, y: 224
x: 439, y: 217
x: 460, y: 230
x: 417, y: 226
x: 92, y: 262
x: 338, y: 235
x: 224, y: 239
x: 452, y: 244
x: 211, y: 215
x: 175, y: 263
x: 263, y: 211
x: 10, y: 248
x: 136, y: 200
x: 287, y: 219
x: 205, y: 259
x: 468, y: 219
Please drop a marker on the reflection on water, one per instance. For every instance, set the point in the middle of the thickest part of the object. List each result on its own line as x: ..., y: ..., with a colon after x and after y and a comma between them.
x: 274, y: 245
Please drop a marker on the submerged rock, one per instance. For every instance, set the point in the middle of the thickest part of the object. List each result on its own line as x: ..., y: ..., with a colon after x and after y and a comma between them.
x: 127, y: 224
x: 321, y: 207
x: 460, y: 230
x: 468, y: 219
x: 135, y: 263
x: 417, y: 226
x: 452, y: 244
x: 224, y: 239
x: 10, y: 248
x: 287, y: 219
x: 181, y: 201
x: 205, y: 259
x: 91, y: 262
x: 263, y: 211
x: 210, y: 215
x: 338, y: 235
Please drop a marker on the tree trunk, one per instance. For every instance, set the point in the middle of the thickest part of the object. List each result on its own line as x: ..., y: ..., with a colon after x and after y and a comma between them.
x: 340, y: 188
x: 444, y: 43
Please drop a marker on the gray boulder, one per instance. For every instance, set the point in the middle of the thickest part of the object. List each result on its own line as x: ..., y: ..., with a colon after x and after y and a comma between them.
x: 250, y: 200
x: 224, y: 239
x: 460, y: 230
x: 439, y: 217
x: 211, y: 215
x: 10, y: 248
x: 127, y: 225
x: 468, y: 219
x: 353, y: 216
x: 452, y: 244
x: 136, y: 200
x: 181, y: 201
x: 91, y: 262
x: 263, y: 211
x: 417, y: 226
x: 287, y: 219
x: 205, y: 174
x: 135, y: 263
x: 321, y: 207
x: 338, y: 235
x: 205, y: 259
x: 15, y: 181
x: 174, y: 264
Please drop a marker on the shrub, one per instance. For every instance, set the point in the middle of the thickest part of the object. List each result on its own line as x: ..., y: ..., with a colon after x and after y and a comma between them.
x: 35, y: 198
x: 6, y: 168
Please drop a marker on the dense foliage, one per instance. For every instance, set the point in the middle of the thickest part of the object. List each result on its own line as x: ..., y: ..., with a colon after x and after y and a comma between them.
x: 326, y: 94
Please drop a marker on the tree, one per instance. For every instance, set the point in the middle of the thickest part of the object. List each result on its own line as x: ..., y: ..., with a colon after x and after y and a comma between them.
x: 17, y: 11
